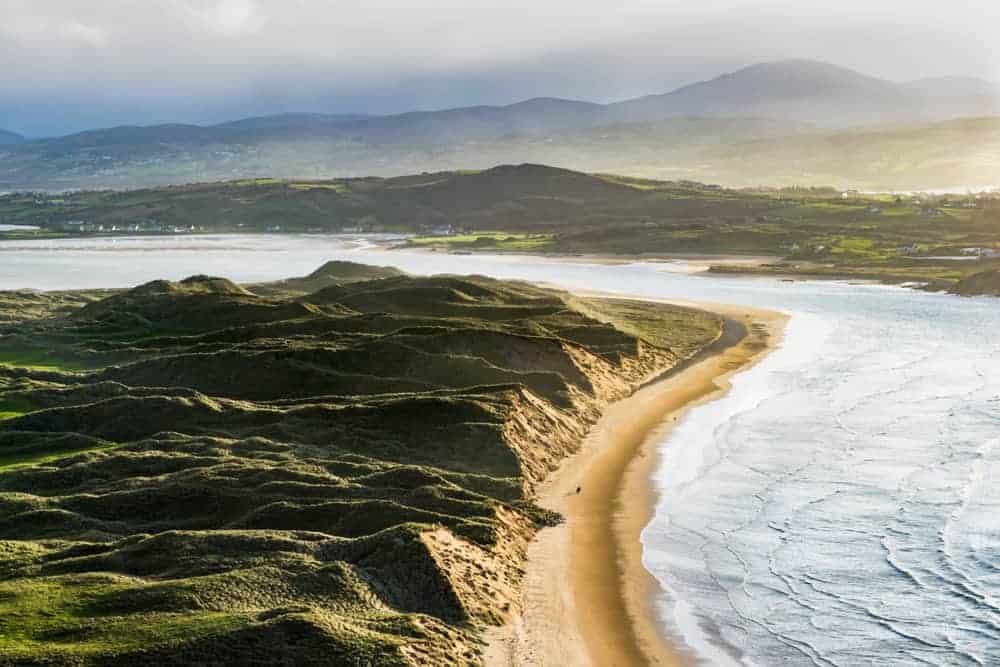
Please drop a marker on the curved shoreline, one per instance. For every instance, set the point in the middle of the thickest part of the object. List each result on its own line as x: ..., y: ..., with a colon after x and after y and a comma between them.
x: 587, y: 598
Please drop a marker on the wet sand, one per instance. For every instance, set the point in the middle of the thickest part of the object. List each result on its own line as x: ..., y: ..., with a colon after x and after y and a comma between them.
x: 587, y: 598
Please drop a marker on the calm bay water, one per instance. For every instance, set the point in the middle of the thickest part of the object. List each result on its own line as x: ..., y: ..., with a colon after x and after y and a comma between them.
x: 840, y: 506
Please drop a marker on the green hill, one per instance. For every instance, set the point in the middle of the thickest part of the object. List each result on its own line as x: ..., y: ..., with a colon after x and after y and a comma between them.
x: 501, y: 196
x: 203, y: 473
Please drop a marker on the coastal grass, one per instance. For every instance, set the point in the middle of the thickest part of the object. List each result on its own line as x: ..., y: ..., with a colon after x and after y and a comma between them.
x: 11, y: 408
x: 334, y: 468
x: 33, y: 456
x: 55, y: 616
x: 35, y: 360
x: 658, y: 324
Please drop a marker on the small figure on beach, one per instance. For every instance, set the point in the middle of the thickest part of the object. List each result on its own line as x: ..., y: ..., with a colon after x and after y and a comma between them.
x: 578, y: 490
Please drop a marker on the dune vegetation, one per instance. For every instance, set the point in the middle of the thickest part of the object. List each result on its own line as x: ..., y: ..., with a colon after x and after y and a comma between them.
x: 334, y: 469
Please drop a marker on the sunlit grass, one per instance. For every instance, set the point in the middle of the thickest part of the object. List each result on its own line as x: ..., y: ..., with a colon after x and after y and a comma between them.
x: 491, y: 240
x: 339, y: 188
x: 39, y: 361
x: 27, y: 458
x: 55, y: 615
x: 249, y: 182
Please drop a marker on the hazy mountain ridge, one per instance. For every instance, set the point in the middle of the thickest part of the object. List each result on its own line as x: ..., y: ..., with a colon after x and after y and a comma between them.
x: 952, y: 155
x: 770, y: 87
x: 666, y: 134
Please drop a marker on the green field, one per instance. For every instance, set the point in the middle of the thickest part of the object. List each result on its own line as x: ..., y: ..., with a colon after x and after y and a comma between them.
x: 492, y: 240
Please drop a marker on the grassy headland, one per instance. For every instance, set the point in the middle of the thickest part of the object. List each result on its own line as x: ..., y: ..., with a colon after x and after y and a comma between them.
x: 334, y: 469
x: 537, y: 209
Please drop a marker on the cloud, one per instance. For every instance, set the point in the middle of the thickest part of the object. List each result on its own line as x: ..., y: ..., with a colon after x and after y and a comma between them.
x: 65, y: 64
x: 33, y: 31
x: 225, y: 17
x: 83, y: 33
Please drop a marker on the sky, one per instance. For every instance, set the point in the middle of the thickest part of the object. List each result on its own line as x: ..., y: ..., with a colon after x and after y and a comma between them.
x: 69, y: 65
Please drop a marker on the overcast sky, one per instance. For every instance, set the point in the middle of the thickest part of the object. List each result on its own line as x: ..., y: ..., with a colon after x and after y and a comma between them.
x: 67, y: 65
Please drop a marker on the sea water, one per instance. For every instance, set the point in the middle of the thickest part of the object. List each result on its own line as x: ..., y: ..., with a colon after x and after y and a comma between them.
x: 839, y: 506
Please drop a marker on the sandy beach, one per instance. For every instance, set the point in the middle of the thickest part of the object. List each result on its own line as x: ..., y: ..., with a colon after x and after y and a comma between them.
x: 587, y: 598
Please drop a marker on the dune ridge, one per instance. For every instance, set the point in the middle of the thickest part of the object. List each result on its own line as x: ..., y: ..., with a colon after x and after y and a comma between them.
x: 340, y: 467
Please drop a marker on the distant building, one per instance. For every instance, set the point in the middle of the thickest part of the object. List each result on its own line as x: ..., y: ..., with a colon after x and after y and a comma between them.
x: 143, y: 227
x: 982, y: 253
x: 440, y: 230
x: 76, y: 227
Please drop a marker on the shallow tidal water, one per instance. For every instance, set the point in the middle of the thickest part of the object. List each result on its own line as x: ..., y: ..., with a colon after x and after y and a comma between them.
x: 840, y: 506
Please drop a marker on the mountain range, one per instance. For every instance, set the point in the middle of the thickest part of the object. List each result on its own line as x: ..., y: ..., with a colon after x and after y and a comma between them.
x: 786, y: 99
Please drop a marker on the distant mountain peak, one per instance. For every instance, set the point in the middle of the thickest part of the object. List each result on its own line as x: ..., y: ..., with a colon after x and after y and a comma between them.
x: 802, y: 65
x: 798, y: 89
x: 784, y: 79
x: 545, y: 103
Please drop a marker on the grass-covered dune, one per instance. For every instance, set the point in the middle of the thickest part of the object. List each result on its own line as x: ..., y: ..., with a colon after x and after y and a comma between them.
x: 336, y: 469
